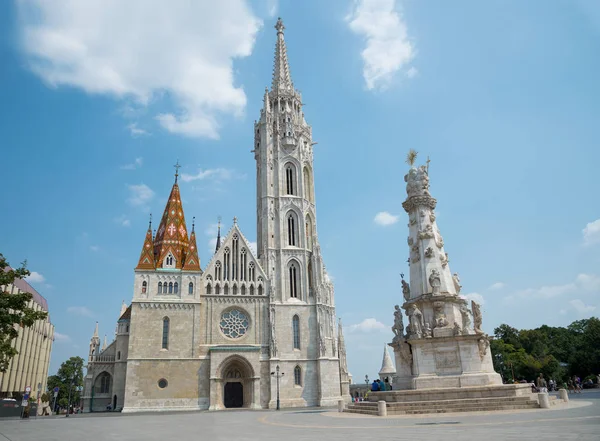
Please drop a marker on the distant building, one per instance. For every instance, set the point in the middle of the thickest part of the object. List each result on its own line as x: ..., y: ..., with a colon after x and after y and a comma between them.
x: 30, y: 366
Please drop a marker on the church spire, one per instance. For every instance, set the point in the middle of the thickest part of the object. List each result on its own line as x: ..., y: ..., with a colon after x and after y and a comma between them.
x: 281, y: 71
x: 218, y: 245
x: 192, y: 261
x: 147, y: 255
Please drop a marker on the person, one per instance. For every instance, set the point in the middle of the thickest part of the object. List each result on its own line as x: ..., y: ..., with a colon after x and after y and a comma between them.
x: 571, y: 387
x: 387, y: 383
x: 541, y: 384
x: 374, y: 386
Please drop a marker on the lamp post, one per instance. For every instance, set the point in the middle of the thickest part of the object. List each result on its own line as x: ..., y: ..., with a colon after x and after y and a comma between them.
x: 367, y: 383
x: 278, y: 375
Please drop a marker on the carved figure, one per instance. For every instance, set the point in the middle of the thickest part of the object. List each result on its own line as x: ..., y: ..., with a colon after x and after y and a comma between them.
x: 322, y: 341
x: 435, y: 281
x: 405, y: 290
x: 444, y: 260
x: 413, y: 221
x: 415, y: 317
x: 429, y: 252
x: 439, y: 316
x: 439, y: 240
x: 456, y: 280
x: 398, y: 323
x: 466, y: 318
x: 427, y: 232
x: 410, y: 241
x: 483, y: 344
x: 457, y: 330
x: 432, y: 217
x: 427, y: 332
x: 476, y: 316
x: 417, y: 182
x: 273, y: 341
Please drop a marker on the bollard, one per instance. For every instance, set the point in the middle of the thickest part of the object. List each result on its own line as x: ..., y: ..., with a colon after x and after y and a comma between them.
x: 543, y: 400
x: 341, y: 405
x: 381, y: 408
x: 562, y: 393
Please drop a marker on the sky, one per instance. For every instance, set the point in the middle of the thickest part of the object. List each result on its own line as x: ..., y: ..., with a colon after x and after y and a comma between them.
x: 99, y: 99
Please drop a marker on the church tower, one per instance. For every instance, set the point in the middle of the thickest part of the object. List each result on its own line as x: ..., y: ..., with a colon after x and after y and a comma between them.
x: 301, y: 295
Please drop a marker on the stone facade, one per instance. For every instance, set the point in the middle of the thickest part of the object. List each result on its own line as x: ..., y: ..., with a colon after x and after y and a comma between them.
x: 212, y: 338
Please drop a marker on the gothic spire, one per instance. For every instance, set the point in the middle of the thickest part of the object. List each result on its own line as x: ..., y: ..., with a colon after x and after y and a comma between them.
x: 96, y: 331
x: 105, y: 345
x: 192, y: 261
x: 218, y: 236
x: 387, y: 367
x: 146, y: 260
x: 281, y: 71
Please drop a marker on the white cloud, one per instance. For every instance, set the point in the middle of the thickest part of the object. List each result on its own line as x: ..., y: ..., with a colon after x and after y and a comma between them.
x: 495, y: 286
x: 581, y: 308
x: 61, y: 337
x: 94, y: 248
x: 219, y: 174
x: 474, y: 296
x: 384, y: 218
x: 123, y: 221
x: 137, y: 163
x: 35, y: 277
x: 272, y: 7
x: 140, y: 195
x: 135, y: 131
x: 591, y: 233
x: 583, y: 283
x: 588, y: 282
x: 388, y: 48
x: 79, y: 310
x: 367, y: 325
x: 412, y: 72
x: 170, y: 53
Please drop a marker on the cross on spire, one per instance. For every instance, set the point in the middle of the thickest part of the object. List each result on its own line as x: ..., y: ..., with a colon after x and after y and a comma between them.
x: 177, y: 167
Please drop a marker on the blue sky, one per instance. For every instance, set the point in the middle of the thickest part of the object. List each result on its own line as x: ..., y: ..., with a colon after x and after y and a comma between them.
x: 97, y: 104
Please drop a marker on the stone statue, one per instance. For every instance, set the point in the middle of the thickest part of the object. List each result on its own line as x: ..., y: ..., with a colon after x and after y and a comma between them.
x: 439, y: 315
x: 398, y: 323
x: 415, y: 317
x: 322, y: 341
x: 427, y: 332
x: 466, y: 318
x: 273, y: 341
x: 457, y: 284
x: 435, y: 281
x: 483, y: 344
x: 457, y: 330
x: 405, y: 290
x: 429, y: 252
x: 476, y: 316
x: 427, y: 232
x: 417, y: 182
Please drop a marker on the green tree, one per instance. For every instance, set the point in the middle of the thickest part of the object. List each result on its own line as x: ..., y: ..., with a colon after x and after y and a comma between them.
x: 14, y: 310
x: 70, y: 374
x: 508, y: 335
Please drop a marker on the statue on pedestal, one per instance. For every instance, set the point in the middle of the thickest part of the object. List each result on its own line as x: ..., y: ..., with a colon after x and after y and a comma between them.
x: 398, y: 327
x: 476, y: 316
x: 457, y: 284
x: 466, y: 318
x: 439, y: 315
x: 405, y: 290
x: 415, y: 317
x: 435, y: 281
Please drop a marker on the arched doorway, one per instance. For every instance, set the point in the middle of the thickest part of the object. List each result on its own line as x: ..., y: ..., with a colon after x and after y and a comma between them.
x: 233, y: 396
x: 236, y: 385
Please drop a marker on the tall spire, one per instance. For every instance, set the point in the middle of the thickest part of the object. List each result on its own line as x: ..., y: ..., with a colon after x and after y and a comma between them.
x: 281, y: 71
x: 387, y: 367
x: 123, y: 308
x: 342, y: 348
x: 146, y: 260
x: 192, y: 261
x: 218, y: 236
x: 105, y: 345
x: 96, y: 331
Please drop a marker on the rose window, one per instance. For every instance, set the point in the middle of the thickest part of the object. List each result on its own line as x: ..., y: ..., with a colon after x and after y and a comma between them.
x: 234, y: 323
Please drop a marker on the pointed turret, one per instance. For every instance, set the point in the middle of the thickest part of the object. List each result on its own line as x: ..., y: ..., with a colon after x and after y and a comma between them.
x: 266, y: 103
x: 218, y: 245
x: 96, y: 332
x: 281, y: 71
x: 105, y: 344
x: 123, y: 308
x: 387, y: 367
x: 147, y: 255
x: 192, y: 261
x: 342, y: 348
x: 94, y: 343
x: 171, y: 244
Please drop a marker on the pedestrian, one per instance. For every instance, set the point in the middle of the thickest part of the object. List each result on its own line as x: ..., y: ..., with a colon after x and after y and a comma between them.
x: 541, y: 384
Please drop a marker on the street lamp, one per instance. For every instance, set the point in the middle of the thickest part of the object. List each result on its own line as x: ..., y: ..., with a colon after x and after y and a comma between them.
x: 367, y: 380
x: 278, y: 375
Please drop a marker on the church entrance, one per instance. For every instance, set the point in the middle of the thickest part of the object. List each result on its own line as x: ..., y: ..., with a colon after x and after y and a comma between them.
x: 234, y: 395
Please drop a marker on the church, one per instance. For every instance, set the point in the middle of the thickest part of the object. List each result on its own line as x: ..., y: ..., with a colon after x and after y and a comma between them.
x: 247, y: 331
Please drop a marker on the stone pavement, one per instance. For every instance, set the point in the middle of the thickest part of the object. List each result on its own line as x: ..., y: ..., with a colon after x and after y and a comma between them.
x: 580, y: 422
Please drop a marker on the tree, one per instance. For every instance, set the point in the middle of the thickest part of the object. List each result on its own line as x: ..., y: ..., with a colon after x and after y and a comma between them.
x: 14, y: 310
x: 70, y: 374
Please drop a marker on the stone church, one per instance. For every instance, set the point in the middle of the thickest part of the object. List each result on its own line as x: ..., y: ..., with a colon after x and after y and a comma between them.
x: 216, y: 337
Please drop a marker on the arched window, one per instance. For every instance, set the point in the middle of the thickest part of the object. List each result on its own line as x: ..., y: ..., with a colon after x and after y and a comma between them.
x: 103, y: 383
x: 296, y: 331
x: 127, y: 328
x: 260, y: 290
x: 217, y: 289
x: 160, y: 287
x: 243, y: 260
x: 251, y: 271
x: 226, y: 289
x: 144, y: 287
x: 209, y: 289
x: 176, y: 287
x: 310, y: 278
x: 292, y: 225
x: 298, y: 376
x: 118, y: 355
x: 290, y: 179
x: 243, y: 290
x: 218, y: 270
x: 165, y: 333
x: 169, y: 260
x: 170, y: 287
x: 227, y: 264
x: 294, y: 277
x: 234, y: 290
x: 191, y: 288
x: 251, y: 290
x: 308, y: 186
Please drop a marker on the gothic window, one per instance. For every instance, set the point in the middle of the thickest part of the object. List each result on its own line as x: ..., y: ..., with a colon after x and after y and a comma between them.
x: 217, y: 289
x: 176, y: 287
x: 191, y: 288
x: 165, y: 333
x: 243, y: 261
x: 118, y: 355
x: 308, y: 185
x: 290, y: 179
x: 294, y: 277
x: 260, y: 290
x: 160, y: 287
x: 209, y: 289
x: 226, y: 289
x: 103, y: 383
x: 234, y: 323
x: 292, y: 230
x: 296, y: 331
x: 298, y: 376
x: 234, y: 290
x: 169, y: 261
x: 170, y: 287
x: 218, y: 270
x: 309, y: 232
x: 251, y: 272
x: 235, y: 257
x: 310, y: 278
x: 226, y: 265
x: 251, y: 290
x: 144, y: 287
x: 127, y: 328
x: 243, y: 290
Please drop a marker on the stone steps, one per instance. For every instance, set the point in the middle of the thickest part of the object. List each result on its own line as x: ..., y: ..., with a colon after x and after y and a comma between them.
x: 447, y: 406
